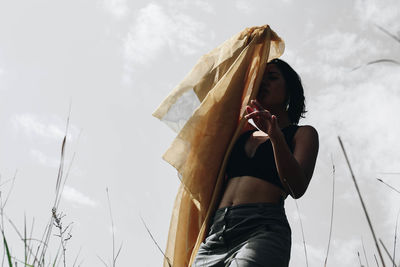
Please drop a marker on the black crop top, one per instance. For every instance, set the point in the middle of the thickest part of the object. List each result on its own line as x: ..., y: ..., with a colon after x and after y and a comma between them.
x: 262, y: 164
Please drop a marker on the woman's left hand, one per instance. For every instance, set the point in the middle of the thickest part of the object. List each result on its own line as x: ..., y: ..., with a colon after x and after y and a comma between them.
x: 264, y: 120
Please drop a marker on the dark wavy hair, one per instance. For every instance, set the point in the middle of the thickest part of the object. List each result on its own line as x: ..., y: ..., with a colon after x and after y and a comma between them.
x: 294, y: 90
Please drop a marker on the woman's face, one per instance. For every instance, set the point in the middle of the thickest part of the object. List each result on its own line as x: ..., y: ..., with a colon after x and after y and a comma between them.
x: 272, y: 92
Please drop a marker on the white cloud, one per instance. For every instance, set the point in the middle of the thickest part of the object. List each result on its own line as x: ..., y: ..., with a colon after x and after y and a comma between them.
x: 244, y: 6
x: 338, y: 46
x: 43, y: 159
x: 157, y: 28
x: 118, y: 8
x: 72, y: 195
x: 309, y: 27
x: 315, y: 256
x: 345, y: 251
x: 53, y: 128
x: 191, y: 4
x: 204, y: 5
x: 385, y: 13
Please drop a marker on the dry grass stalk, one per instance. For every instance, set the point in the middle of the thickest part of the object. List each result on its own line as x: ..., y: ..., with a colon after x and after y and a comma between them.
x: 397, y: 39
x: 395, y: 236
x: 387, y: 252
x: 359, y: 259
x: 376, y: 260
x: 27, y: 247
x: 383, y: 60
x: 58, y: 223
x: 155, y: 242
x: 76, y: 258
x: 365, y: 254
x: 114, y: 257
x: 391, y: 187
x: 55, y: 219
x: 58, y: 191
x: 362, y: 202
x: 301, y: 224
x: 332, y: 206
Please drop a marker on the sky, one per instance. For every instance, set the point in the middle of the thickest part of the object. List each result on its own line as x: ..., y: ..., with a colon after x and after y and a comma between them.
x: 108, y: 64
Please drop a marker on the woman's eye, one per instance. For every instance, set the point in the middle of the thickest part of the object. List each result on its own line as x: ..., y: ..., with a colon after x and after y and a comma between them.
x: 272, y: 78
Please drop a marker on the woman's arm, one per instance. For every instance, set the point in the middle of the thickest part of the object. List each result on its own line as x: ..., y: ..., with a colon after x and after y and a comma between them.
x: 295, y: 169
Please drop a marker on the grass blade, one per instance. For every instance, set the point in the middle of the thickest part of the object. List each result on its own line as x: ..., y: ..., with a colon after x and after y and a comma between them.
x: 301, y: 224
x: 376, y: 260
x: 11, y: 188
x: 359, y: 259
x: 380, y: 180
x: 7, y: 249
x: 387, y: 252
x: 365, y: 254
x: 362, y: 201
x: 25, y: 245
x: 112, y: 229
x: 76, y: 258
x: 332, y: 206
x: 19, y: 234
x: 162, y: 252
x: 383, y: 60
x: 395, y: 237
x: 397, y: 39
x: 105, y: 264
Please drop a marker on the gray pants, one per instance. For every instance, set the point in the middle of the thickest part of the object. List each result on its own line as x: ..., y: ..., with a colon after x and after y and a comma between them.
x: 254, y: 234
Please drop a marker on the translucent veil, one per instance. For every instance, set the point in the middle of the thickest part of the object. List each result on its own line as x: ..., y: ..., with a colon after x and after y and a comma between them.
x: 206, y: 110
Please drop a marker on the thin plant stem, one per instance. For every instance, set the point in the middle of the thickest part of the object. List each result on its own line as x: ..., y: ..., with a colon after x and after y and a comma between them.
x: 73, y: 265
x: 301, y: 224
x: 365, y: 254
x: 105, y: 264
x: 387, y: 252
x: 376, y: 260
x: 58, y: 192
x: 25, y: 245
x: 362, y: 202
x: 148, y: 231
x: 114, y: 257
x: 18, y: 233
x: 359, y: 258
x: 11, y: 188
x: 2, y: 226
x: 382, y: 60
x: 388, y: 33
x: 112, y: 228
x: 30, y: 237
x: 380, y: 180
x: 332, y: 206
x: 395, y: 237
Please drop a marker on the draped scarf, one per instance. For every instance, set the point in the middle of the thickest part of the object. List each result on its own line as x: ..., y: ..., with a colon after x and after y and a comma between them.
x: 207, y: 111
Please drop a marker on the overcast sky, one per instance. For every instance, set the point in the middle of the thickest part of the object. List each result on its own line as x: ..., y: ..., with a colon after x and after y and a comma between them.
x: 114, y: 61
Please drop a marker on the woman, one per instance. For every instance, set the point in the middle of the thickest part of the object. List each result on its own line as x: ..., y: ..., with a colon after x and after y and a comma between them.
x: 250, y: 227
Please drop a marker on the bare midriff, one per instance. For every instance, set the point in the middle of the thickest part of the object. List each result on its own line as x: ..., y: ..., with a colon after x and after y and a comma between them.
x: 249, y: 189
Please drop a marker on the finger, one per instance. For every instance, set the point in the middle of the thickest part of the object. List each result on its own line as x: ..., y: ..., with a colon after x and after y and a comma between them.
x: 257, y: 104
x: 249, y: 109
x: 258, y: 113
x: 275, y: 121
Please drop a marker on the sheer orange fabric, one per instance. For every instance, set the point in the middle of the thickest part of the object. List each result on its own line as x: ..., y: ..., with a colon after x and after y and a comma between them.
x: 206, y: 110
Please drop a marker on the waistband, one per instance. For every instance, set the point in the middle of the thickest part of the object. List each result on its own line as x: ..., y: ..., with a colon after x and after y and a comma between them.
x: 248, y: 208
x: 250, y: 214
x: 280, y: 204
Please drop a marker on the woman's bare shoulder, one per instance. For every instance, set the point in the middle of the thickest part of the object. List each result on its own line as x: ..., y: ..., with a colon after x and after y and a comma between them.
x: 306, y: 133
